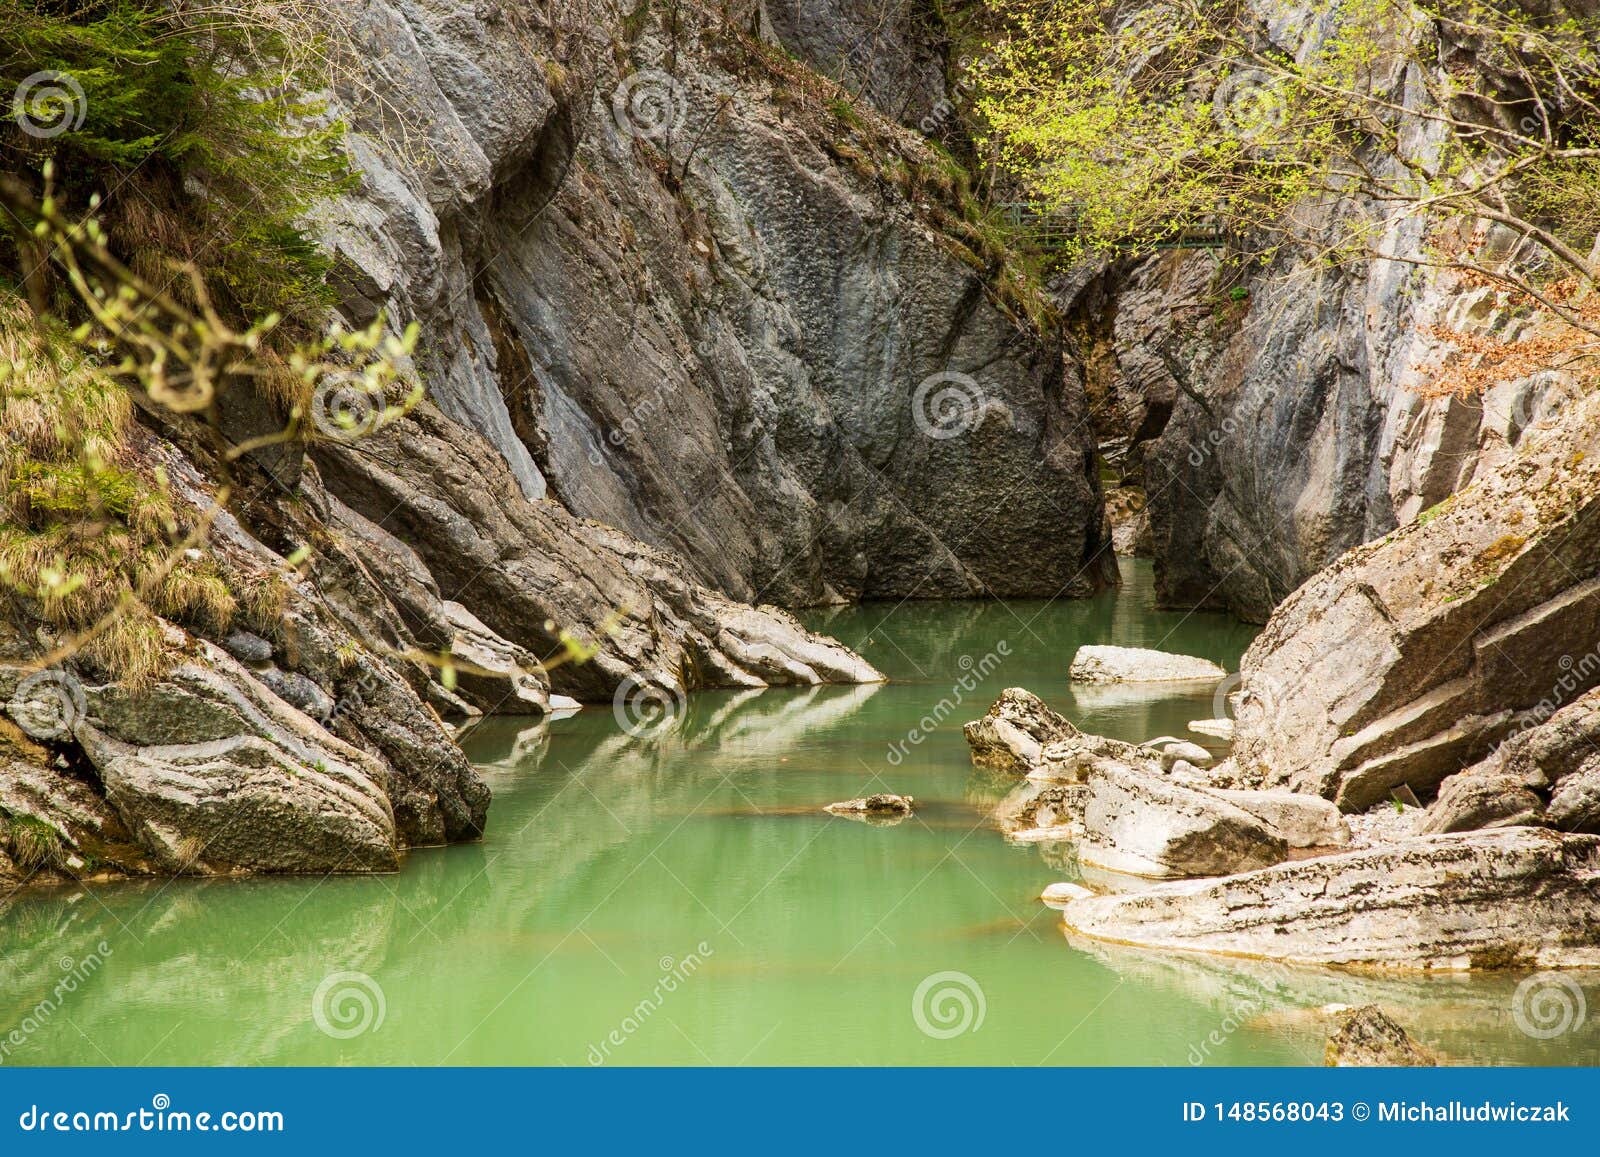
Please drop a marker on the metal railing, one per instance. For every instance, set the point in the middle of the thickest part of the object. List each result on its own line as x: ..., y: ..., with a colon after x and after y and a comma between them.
x: 1048, y: 229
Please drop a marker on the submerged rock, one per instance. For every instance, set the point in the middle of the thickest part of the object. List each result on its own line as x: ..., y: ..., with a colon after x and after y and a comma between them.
x: 1064, y: 892
x: 1512, y: 898
x: 1012, y: 735
x: 1369, y: 1038
x: 1038, y: 810
x: 1099, y: 664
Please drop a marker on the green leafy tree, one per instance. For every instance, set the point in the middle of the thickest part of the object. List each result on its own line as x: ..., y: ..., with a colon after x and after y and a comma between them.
x: 1476, y: 123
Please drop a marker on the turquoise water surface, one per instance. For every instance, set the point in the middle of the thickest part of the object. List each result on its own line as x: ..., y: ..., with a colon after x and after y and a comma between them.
x: 681, y: 898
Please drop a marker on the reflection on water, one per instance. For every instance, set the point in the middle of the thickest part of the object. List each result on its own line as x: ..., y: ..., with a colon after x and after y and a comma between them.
x: 682, y: 899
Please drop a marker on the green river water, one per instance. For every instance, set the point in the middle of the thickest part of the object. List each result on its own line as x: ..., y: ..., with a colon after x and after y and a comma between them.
x: 682, y: 899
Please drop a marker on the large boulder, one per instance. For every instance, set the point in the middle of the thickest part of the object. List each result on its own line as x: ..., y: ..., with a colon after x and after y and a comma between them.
x: 1304, y: 821
x: 1070, y: 760
x: 212, y: 773
x: 1138, y: 823
x: 1511, y: 898
x: 1413, y: 657
x: 1014, y: 732
x: 1472, y: 799
x: 1102, y: 664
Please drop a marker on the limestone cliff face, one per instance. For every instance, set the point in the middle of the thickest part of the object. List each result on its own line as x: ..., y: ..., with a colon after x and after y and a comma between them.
x: 1278, y: 407
x: 1414, y: 657
x: 686, y: 290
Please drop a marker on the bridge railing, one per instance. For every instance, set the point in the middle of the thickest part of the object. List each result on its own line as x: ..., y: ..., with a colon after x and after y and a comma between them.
x: 1049, y: 228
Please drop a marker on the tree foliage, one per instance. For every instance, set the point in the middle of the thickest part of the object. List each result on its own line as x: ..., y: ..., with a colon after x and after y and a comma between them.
x: 191, y: 121
x: 1474, y: 122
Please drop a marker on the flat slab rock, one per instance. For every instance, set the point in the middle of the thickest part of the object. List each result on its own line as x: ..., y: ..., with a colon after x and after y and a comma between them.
x: 1097, y: 664
x: 1216, y: 728
x: 1510, y: 898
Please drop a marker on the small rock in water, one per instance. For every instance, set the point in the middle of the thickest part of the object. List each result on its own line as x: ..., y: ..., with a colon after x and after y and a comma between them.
x: 1064, y: 892
x: 1216, y: 728
x: 880, y: 808
x: 1096, y: 664
x: 1369, y: 1038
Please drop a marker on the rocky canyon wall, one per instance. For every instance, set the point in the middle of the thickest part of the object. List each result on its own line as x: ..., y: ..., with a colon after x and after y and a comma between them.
x: 687, y: 289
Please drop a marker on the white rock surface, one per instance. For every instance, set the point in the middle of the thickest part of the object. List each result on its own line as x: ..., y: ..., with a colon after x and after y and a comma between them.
x: 1174, y: 751
x: 1013, y: 733
x: 1216, y: 728
x: 1512, y: 897
x: 1065, y: 892
x: 1099, y: 664
x: 1304, y: 821
x: 1138, y: 822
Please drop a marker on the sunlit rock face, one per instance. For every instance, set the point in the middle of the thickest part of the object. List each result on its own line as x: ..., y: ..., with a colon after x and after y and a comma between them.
x: 1414, y: 657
